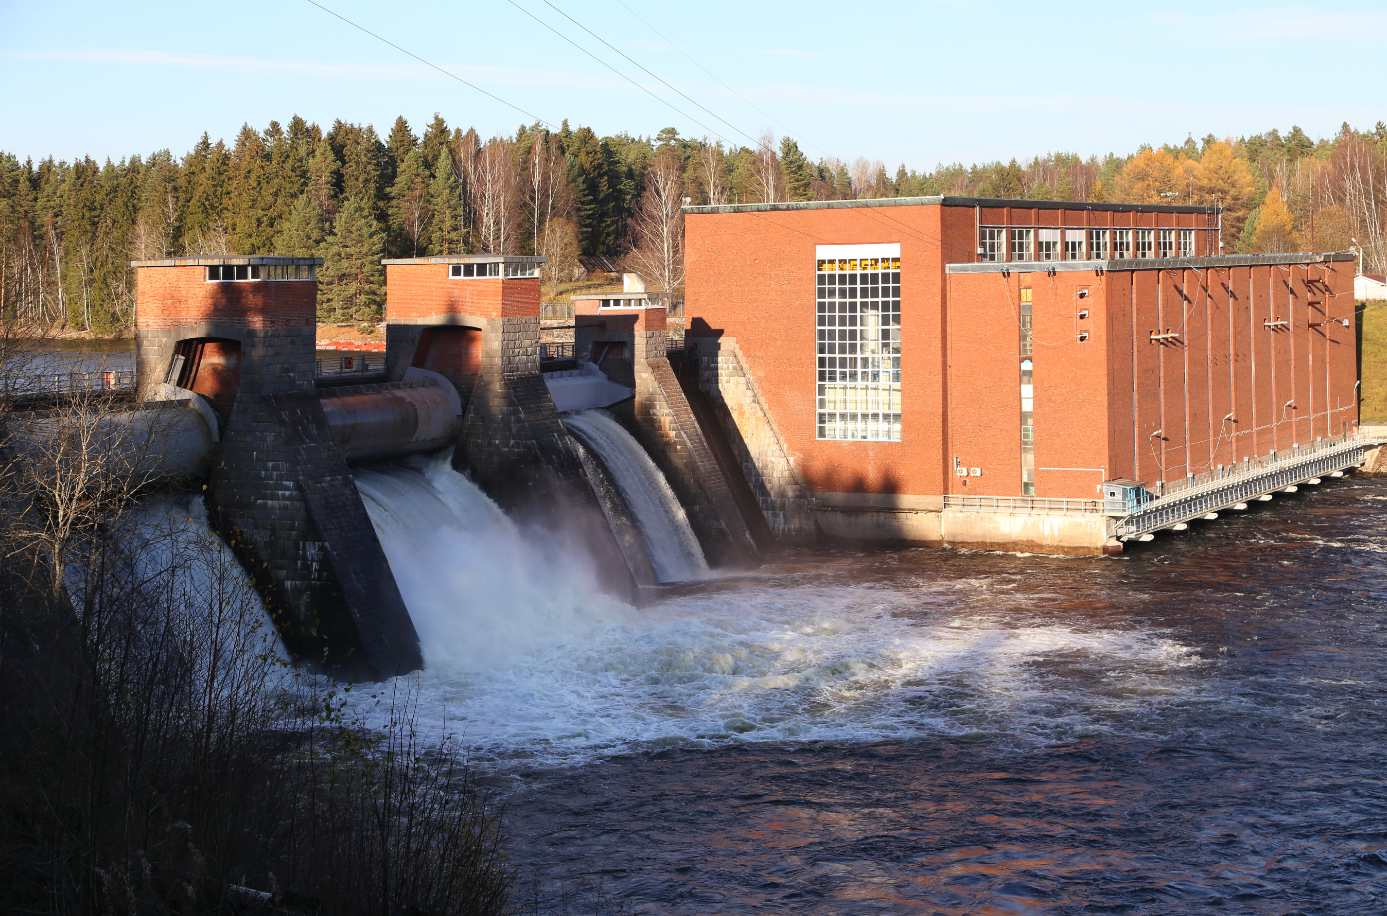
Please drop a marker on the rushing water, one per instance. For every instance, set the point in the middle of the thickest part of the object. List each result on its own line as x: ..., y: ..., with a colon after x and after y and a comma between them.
x: 673, y: 548
x: 1195, y: 726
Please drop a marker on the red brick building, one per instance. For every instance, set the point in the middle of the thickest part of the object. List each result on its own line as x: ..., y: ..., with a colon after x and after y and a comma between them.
x: 891, y: 357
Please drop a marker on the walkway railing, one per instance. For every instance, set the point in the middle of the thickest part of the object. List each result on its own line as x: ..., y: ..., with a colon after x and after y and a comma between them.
x: 1023, y: 505
x: 1241, y: 482
x: 59, y: 384
x: 351, y: 364
x: 556, y: 351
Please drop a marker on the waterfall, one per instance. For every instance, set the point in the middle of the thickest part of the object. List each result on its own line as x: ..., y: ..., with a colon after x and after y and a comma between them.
x: 674, y: 550
x: 478, y: 589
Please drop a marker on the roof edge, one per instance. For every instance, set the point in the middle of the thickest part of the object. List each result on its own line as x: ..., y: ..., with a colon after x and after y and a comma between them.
x: 235, y: 259
x: 1239, y: 260
x: 469, y: 259
x: 947, y: 201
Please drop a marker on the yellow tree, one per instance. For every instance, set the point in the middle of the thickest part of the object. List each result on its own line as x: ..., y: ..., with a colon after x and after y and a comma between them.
x: 1224, y: 178
x: 1274, y: 226
x: 1148, y: 175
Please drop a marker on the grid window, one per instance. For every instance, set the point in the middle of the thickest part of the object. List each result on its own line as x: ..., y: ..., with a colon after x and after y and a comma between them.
x: 1121, y: 244
x: 1073, y: 244
x: 1021, y: 244
x: 859, y: 348
x: 991, y: 245
x: 1047, y: 245
x: 1186, y: 243
x: 1166, y: 242
x: 1143, y: 243
x: 1098, y: 244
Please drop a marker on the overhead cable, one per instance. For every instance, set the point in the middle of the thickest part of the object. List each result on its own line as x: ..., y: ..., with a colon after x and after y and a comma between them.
x: 672, y: 88
x: 720, y: 82
x: 628, y: 79
x: 434, y: 66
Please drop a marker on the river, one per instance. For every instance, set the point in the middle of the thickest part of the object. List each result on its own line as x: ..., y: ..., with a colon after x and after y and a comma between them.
x: 1195, y: 726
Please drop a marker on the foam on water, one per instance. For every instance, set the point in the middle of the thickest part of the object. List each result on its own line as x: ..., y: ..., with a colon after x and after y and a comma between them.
x: 528, y: 663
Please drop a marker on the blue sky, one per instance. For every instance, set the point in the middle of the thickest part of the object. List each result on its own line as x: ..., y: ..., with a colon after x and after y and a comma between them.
x: 912, y: 82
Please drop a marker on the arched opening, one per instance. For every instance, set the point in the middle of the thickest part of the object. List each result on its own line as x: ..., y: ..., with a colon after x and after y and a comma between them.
x: 210, y: 366
x: 454, y: 353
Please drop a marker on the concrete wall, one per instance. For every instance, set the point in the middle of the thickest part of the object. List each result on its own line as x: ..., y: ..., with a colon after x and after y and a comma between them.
x: 280, y: 492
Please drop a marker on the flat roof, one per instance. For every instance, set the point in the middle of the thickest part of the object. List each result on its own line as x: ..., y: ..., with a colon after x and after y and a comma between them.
x: 469, y: 259
x: 948, y: 202
x: 1236, y: 260
x: 273, y: 260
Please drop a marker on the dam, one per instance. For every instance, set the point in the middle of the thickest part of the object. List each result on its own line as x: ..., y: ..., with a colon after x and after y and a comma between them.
x: 640, y: 461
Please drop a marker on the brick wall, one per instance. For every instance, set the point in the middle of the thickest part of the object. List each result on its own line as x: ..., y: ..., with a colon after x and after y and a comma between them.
x: 419, y: 290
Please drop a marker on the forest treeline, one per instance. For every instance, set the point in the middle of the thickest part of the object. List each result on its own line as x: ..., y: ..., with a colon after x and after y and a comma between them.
x: 68, y: 230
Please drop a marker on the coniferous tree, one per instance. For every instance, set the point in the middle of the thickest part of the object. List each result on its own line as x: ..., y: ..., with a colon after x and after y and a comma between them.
x: 411, y: 208
x: 398, y: 146
x: 324, y: 174
x: 798, y: 175
x: 445, y: 199
x: 351, y: 283
x: 301, y: 235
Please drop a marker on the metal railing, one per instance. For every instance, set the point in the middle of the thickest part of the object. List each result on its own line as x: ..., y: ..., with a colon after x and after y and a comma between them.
x: 1024, y: 505
x: 61, y: 383
x: 556, y: 350
x: 556, y: 311
x: 1238, y: 483
x: 352, y: 364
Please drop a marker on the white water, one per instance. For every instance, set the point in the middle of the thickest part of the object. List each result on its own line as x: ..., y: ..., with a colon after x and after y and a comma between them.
x: 477, y: 589
x: 674, y: 550
x: 527, y: 663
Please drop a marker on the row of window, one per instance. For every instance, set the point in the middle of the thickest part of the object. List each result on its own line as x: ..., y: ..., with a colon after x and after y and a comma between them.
x: 1003, y: 244
x: 493, y: 269
x: 225, y: 273
x: 853, y: 265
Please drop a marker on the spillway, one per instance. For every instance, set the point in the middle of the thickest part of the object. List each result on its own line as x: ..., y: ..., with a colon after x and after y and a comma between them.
x: 674, y: 550
x: 476, y: 585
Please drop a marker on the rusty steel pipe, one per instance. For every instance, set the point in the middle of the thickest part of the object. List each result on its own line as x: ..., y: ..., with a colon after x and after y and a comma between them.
x: 392, y: 424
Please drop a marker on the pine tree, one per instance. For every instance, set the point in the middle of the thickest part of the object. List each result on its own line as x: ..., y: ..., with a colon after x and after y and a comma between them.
x: 398, y: 146
x: 445, y: 199
x: 434, y: 141
x: 799, y: 176
x: 301, y: 235
x: 411, y: 208
x: 324, y: 174
x: 351, y: 284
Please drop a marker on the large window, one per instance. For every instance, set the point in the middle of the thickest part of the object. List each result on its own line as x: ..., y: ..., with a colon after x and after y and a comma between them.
x: 1073, y: 244
x: 1047, y: 247
x: 1143, y: 241
x: 1021, y: 244
x: 859, y: 342
x: 1098, y: 244
x: 1166, y: 240
x: 992, y: 245
x: 1121, y: 244
x: 1186, y: 243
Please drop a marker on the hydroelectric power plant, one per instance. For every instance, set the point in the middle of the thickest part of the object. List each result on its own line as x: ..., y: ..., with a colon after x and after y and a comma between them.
x: 922, y: 730
x: 891, y: 411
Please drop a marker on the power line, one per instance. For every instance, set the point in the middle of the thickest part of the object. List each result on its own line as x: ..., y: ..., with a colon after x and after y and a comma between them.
x: 434, y: 66
x: 720, y: 82
x: 672, y: 88
x: 613, y: 69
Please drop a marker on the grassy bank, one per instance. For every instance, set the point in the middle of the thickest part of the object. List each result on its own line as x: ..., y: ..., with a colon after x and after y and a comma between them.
x: 1372, y: 361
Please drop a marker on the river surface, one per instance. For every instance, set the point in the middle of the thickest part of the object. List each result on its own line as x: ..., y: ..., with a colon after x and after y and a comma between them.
x: 1197, y: 726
